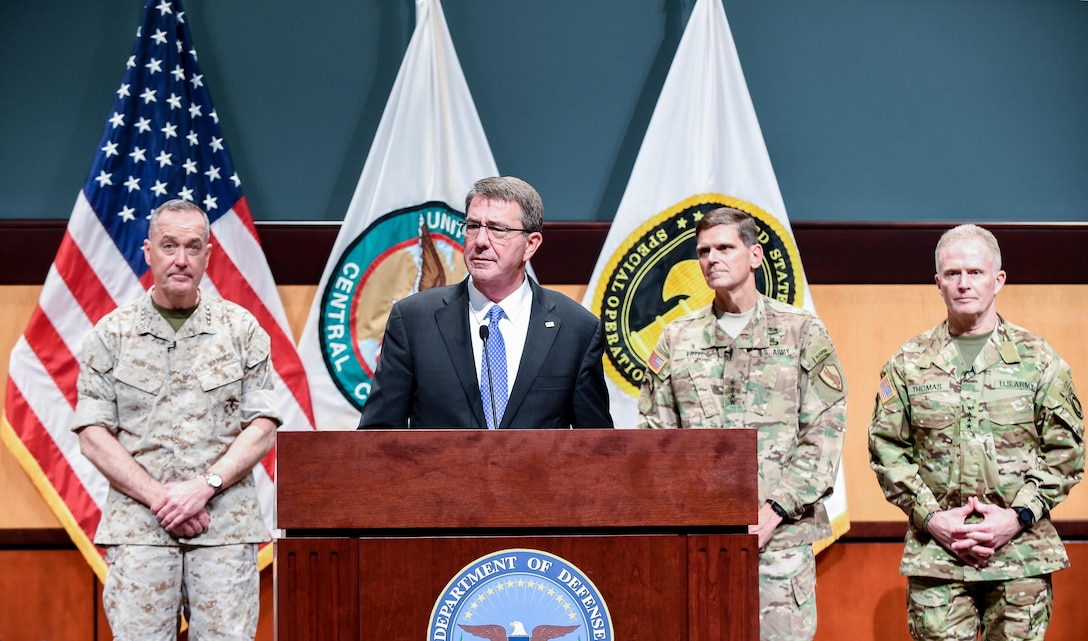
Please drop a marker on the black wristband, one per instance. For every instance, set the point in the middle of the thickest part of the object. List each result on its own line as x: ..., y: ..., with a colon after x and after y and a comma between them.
x: 1025, y: 517
x: 778, y: 509
x: 925, y: 523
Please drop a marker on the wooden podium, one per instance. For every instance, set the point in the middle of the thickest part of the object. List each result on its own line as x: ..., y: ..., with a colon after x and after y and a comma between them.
x: 377, y: 522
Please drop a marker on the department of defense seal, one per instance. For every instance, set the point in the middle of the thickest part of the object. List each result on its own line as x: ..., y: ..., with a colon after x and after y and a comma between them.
x: 399, y: 254
x: 653, y: 277
x: 518, y: 595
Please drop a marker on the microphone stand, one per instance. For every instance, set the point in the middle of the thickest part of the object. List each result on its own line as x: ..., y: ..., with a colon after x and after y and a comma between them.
x: 485, y: 331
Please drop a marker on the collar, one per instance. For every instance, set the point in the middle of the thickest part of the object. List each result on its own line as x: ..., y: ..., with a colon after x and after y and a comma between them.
x: 757, y: 334
x: 942, y: 353
x: 149, y: 321
x: 514, y: 305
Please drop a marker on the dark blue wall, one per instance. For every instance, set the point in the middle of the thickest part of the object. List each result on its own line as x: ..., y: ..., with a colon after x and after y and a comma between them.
x: 927, y: 110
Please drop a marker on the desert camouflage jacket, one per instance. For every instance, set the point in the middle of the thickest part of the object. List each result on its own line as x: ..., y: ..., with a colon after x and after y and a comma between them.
x: 176, y: 402
x: 1008, y: 430
x: 780, y: 375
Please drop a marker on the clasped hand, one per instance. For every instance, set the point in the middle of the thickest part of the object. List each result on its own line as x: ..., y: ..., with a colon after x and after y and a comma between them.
x: 974, y: 543
x: 180, y: 508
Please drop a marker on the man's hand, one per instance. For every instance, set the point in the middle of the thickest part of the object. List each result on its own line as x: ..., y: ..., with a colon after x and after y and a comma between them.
x: 766, y: 522
x: 193, y: 527
x: 998, y: 526
x: 949, y: 528
x: 181, y: 502
x: 974, y: 543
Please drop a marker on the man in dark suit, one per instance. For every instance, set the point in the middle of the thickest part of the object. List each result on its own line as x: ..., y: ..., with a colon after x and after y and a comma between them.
x: 496, y: 350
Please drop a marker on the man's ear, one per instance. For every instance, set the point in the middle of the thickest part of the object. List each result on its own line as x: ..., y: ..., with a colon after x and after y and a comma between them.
x: 757, y: 255
x: 532, y: 243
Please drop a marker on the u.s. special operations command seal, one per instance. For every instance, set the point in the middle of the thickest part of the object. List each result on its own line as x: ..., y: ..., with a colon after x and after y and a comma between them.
x: 399, y: 254
x: 518, y: 595
x: 654, y: 277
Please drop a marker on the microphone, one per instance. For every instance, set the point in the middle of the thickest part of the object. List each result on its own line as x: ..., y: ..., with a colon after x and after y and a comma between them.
x: 171, y: 346
x: 485, y: 331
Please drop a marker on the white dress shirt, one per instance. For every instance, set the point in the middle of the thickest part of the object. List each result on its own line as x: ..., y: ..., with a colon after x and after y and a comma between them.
x: 514, y: 326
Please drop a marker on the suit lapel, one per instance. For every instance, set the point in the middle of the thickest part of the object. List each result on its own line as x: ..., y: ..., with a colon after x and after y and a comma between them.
x: 543, y: 328
x: 452, y: 321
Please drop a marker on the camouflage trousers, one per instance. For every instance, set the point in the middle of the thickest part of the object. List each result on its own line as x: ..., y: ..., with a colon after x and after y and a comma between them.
x: 149, y: 588
x: 1012, y: 610
x: 787, y: 594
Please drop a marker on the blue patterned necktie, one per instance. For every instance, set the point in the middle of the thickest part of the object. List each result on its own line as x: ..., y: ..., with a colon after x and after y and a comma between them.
x: 493, y: 374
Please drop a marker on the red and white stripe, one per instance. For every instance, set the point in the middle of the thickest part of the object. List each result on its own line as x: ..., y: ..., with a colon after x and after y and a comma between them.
x: 89, y: 278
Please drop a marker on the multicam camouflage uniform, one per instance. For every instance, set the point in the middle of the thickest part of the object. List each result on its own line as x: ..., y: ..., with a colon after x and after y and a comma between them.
x: 176, y: 401
x: 782, y: 376
x: 1010, y: 431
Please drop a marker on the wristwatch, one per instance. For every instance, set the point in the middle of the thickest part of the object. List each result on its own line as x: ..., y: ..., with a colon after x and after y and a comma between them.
x: 214, y: 480
x: 1025, y: 517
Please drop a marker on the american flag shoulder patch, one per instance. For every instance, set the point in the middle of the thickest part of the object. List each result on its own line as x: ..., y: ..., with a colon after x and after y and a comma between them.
x: 886, y: 392
x: 655, y: 362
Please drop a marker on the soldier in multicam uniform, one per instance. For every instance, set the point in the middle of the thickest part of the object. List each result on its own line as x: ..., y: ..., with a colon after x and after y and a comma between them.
x: 176, y: 406
x: 750, y: 361
x: 977, y: 434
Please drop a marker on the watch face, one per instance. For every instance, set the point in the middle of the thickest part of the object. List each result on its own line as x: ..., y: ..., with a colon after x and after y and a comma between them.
x: 214, y: 480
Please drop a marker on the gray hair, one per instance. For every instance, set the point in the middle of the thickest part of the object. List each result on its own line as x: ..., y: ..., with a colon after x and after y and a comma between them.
x: 515, y: 190
x: 967, y: 232
x: 178, y: 205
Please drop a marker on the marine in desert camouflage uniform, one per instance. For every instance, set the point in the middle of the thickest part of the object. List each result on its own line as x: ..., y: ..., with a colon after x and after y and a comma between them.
x: 977, y: 434
x: 770, y: 366
x: 176, y: 406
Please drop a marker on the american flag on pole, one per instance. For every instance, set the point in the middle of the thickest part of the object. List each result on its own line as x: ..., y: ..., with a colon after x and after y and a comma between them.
x: 162, y: 141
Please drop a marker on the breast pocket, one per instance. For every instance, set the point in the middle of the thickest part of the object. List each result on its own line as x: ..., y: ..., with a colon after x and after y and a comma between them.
x: 136, y: 389
x: 697, y: 387
x: 142, y: 379
x: 222, y: 386
x: 935, y: 448
x: 1011, y: 410
x: 1012, y: 423
x: 220, y: 375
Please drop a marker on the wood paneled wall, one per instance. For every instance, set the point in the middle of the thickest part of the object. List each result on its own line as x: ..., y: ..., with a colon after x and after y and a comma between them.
x: 860, y: 595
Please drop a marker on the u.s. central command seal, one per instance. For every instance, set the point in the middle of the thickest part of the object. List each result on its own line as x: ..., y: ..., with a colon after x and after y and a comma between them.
x: 399, y: 254
x: 654, y: 278
x: 520, y: 595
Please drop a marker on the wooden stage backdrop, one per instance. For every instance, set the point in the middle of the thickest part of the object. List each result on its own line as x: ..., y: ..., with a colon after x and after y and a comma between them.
x: 871, y: 284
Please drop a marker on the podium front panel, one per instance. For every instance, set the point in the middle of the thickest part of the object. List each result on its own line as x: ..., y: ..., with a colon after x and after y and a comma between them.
x: 655, y: 587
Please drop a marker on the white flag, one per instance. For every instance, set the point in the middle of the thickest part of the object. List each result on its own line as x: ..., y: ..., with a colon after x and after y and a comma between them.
x: 703, y: 149
x: 403, y: 230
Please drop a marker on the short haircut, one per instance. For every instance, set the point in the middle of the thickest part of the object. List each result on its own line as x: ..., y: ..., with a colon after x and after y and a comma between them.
x: 510, y: 189
x: 966, y: 232
x: 178, y: 205
x: 746, y: 225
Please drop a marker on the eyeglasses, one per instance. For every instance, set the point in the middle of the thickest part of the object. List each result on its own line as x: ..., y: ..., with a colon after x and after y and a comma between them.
x: 498, y: 233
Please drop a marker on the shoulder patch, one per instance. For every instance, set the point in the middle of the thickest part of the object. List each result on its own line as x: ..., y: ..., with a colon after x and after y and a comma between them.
x: 831, y: 376
x: 1070, y: 394
x: 656, y: 361
x: 885, y: 392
